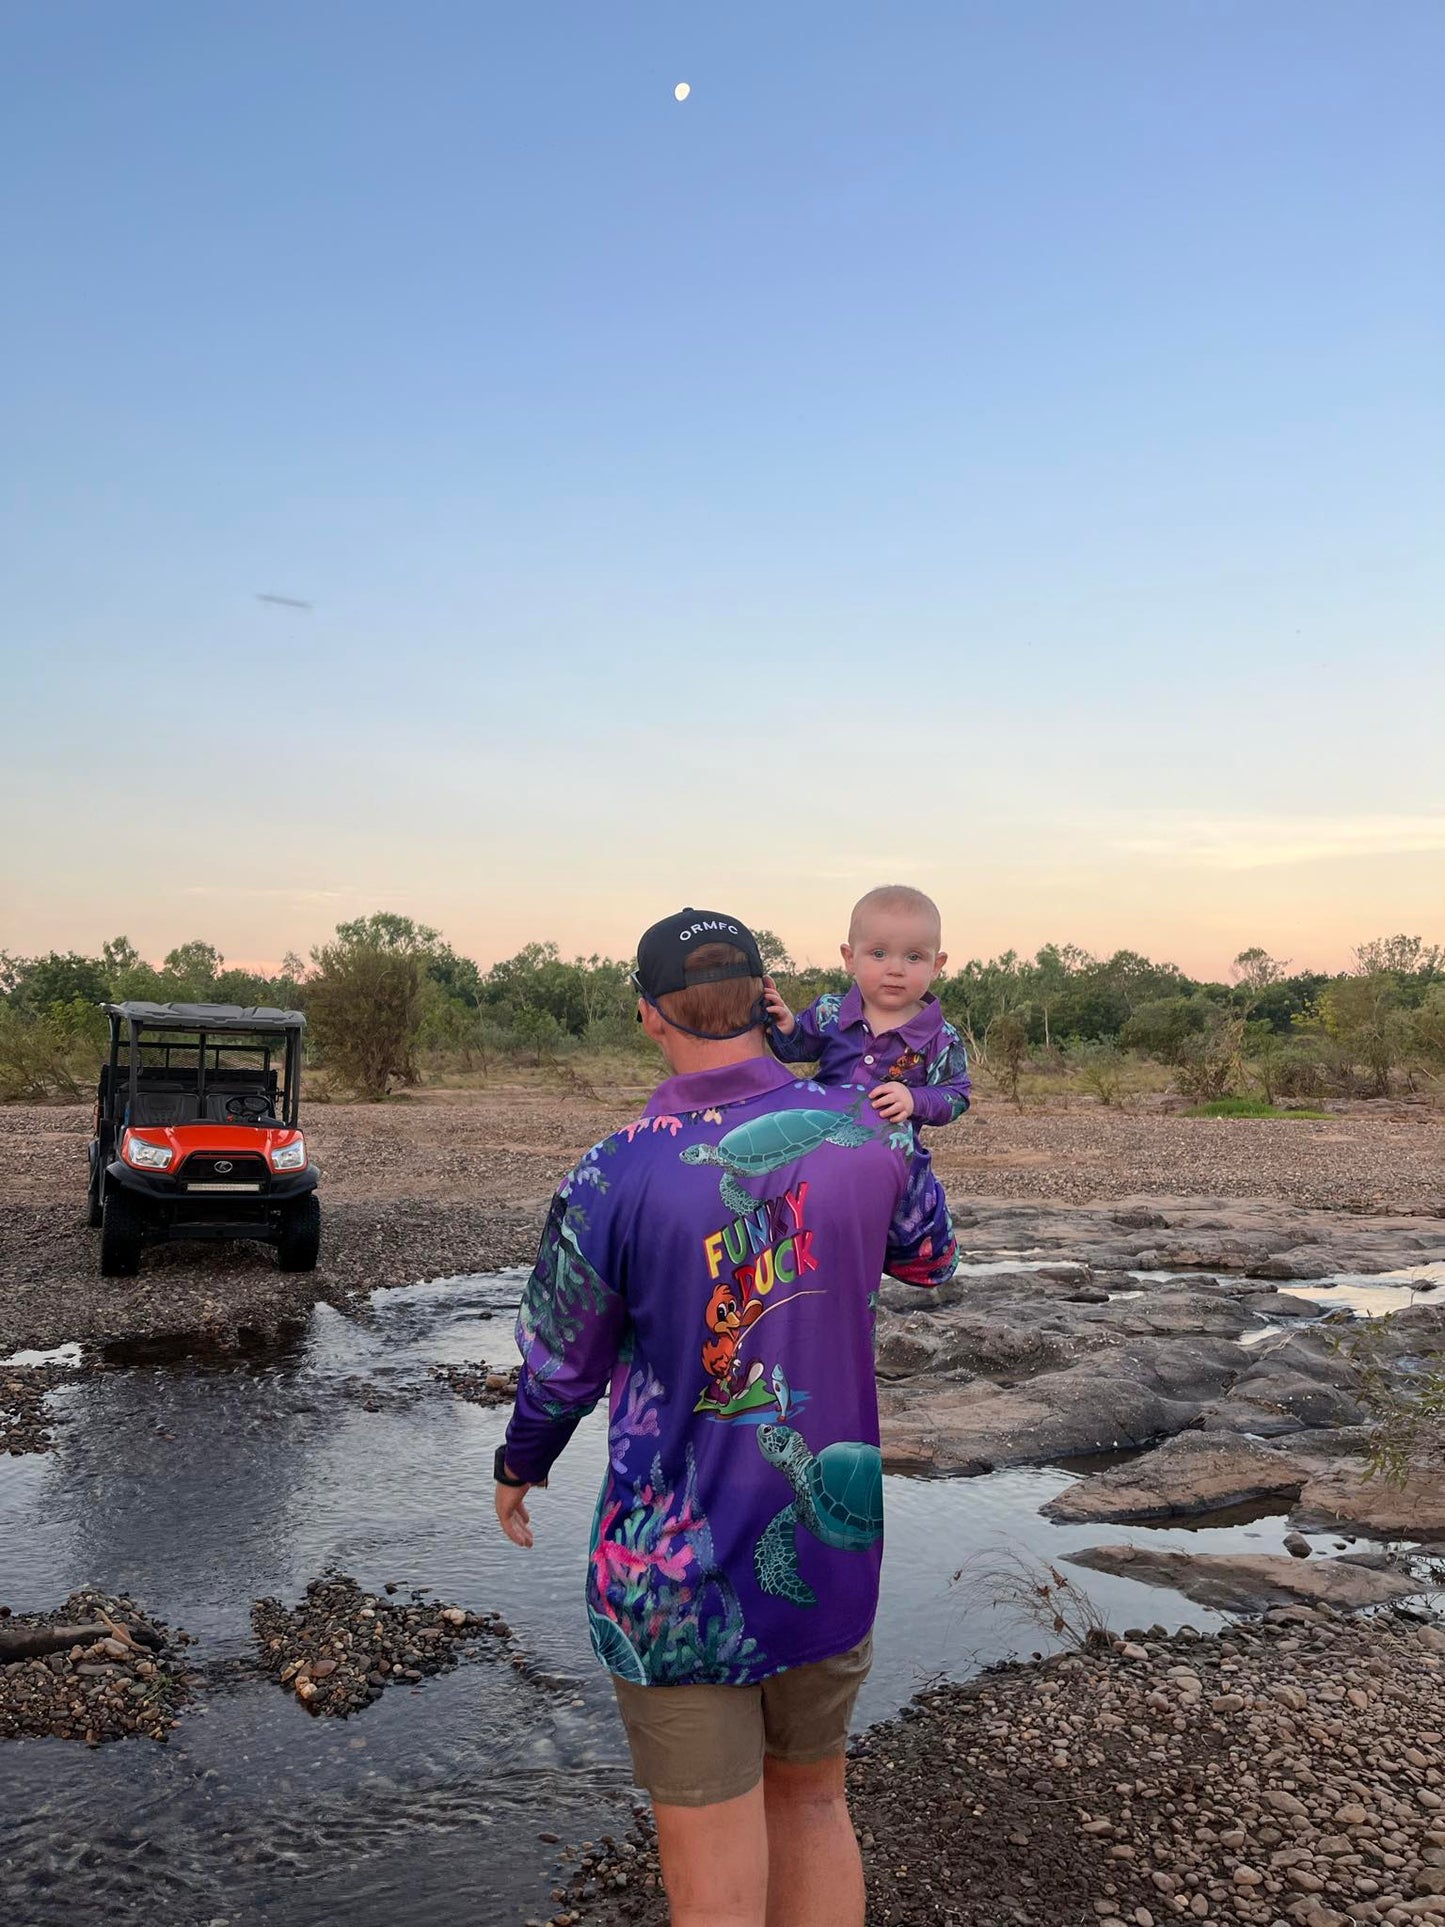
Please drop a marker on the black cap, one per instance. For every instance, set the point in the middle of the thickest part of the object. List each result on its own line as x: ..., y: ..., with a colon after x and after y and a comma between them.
x: 663, y: 951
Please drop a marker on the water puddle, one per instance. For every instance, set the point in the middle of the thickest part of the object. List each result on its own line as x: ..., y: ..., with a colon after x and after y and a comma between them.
x: 197, y: 1486
x: 66, y: 1354
x: 1373, y: 1294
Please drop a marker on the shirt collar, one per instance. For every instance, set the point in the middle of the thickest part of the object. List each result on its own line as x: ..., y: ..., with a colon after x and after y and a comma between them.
x: 729, y: 1084
x: 922, y: 1025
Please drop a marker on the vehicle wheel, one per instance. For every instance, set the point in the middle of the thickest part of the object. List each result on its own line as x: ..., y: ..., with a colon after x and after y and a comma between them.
x: 122, y: 1235
x: 95, y: 1197
x: 300, y: 1239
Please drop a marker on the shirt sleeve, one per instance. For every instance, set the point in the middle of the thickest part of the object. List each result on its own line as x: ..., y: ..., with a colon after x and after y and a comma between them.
x: 922, y: 1249
x: 803, y: 1043
x: 570, y: 1331
x: 945, y: 1096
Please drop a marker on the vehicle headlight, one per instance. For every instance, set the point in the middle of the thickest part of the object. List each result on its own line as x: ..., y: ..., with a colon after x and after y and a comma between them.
x: 144, y: 1155
x: 290, y: 1157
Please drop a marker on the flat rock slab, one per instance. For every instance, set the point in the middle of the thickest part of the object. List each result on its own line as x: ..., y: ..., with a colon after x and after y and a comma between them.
x: 1249, y: 1582
x: 1192, y: 1473
x: 935, y: 1425
x: 1340, y: 1495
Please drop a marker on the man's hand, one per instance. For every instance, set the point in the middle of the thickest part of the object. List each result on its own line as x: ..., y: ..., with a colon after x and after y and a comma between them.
x: 777, y: 1010
x: 511, y: 1502
x: 894, y: 1102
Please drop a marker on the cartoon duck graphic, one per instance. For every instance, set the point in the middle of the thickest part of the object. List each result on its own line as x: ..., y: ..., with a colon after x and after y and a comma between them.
x: 729, y: 1314
x: 902, y: 1068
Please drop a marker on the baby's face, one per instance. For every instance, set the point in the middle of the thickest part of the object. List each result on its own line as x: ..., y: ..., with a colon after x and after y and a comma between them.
x: 894, y: 958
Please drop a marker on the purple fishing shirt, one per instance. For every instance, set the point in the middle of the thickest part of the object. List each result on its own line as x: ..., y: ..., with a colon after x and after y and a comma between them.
x: 926, y: 1053
x: 714, y: 1267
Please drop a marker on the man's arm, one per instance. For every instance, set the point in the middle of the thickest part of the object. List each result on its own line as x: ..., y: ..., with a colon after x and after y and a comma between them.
x: 569, y: 1331
x: 945, y: 1096
x: 803, y: 1044
x: 921, y: 1245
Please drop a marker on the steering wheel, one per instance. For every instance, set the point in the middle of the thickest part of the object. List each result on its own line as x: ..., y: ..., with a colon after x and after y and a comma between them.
x: 247, y: 1107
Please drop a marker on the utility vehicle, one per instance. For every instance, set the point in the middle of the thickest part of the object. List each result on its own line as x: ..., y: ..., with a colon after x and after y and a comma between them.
x: 196, y: 1133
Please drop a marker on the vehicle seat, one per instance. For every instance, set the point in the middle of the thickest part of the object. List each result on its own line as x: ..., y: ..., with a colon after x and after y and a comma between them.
x: 163, y: 1107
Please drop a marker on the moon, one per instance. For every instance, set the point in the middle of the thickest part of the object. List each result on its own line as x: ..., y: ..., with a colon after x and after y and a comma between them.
x: 681, y: 90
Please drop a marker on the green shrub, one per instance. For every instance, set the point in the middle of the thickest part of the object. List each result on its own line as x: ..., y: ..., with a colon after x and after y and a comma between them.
x: 366, y: 1005
x: 1162, y: 1028
x: 55, y: 1054
x: 1100, y: 1069
x: 1210, y: 1066
x: 1007, y: 1048
x: 1406, y: 1397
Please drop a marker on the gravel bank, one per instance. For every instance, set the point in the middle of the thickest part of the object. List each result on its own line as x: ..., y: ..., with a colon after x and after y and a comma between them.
x: 427, y: 1187
x: 341, y: 1647
x: 122, y: 1674
x: 1290, y: 1773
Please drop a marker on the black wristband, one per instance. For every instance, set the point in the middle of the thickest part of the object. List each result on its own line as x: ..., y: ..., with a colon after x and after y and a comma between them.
x: 499, y: 1468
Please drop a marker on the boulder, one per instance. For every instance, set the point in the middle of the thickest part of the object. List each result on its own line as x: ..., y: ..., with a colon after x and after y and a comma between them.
x: 1171, y: 1310
x: 1140, y: 1217
x: 937, y: 1425
x: 1281, y: 1305
x: 1340, y: 1495
x: 1192, y: 1473
x: 1204, y: 1254
x: 1288, y: 1266
x: 1287, y: 1401
x: 1238, y: 1416
x: 1249, y: 1582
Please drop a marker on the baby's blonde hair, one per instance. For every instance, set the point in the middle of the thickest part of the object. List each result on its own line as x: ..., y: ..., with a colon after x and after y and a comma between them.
x: 896, y: 896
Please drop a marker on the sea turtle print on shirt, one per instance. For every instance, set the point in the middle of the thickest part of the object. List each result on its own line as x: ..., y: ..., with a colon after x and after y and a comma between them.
x: 838, y: 1497
x: 768, y: 1142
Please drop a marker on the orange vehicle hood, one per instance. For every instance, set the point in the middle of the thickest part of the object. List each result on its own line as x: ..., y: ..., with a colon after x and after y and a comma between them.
x: 216, y: 1139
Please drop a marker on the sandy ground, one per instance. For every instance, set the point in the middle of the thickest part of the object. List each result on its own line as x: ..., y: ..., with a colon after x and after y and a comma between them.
x: 432, y: 1185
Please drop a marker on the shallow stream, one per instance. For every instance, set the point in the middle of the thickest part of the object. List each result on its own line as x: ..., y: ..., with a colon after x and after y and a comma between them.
x: 199, y: 1486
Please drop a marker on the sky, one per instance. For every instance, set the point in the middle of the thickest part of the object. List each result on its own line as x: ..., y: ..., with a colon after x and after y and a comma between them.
x: 988, y: 447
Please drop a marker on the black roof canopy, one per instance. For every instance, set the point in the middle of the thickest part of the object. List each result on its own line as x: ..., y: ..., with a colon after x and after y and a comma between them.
x: 207, y: 1017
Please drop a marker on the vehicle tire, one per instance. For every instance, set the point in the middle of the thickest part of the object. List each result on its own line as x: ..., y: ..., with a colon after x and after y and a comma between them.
x: 122, y: 1234
x: 95, y: 1197
x: 300, y: 1240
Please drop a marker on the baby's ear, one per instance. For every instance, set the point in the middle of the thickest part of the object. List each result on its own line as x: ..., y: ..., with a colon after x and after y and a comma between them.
x: 939, y: 963
x: 845, y: 950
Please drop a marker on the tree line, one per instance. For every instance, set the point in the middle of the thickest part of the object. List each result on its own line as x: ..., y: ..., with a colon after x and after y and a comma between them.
x: 386, y: 997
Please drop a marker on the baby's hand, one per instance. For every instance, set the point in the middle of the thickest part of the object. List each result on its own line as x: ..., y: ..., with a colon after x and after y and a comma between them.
x: 894, y: 1102
x: 777, y: 1010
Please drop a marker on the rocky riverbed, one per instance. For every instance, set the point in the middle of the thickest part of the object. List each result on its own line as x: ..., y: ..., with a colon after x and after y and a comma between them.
x: 1104, y: 1329
x: 447, y: 1183
x: 1204, y: 1334
x: 1291, y: 1771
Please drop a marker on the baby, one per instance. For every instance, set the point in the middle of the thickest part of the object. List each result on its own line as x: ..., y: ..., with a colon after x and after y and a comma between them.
x: 888, y: 1032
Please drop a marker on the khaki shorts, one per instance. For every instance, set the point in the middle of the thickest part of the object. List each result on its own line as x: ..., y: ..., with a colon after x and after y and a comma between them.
x: 695, y: 1745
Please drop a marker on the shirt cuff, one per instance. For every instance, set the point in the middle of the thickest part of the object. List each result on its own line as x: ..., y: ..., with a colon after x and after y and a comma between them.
x: 535, y: 1442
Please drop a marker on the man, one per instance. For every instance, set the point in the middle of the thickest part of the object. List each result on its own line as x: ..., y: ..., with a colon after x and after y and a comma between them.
x: 714, y: 1266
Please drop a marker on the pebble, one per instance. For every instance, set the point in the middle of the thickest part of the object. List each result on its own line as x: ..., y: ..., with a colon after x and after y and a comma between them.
x: 340, y: 1648
x: 106, y: 1690
x: 478, y: 1383
x: 1302, y: 1810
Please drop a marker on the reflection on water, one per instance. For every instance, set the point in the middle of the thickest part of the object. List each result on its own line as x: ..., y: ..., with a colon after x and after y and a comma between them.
x: 197, y: 1487
x: 1375, y: 1294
